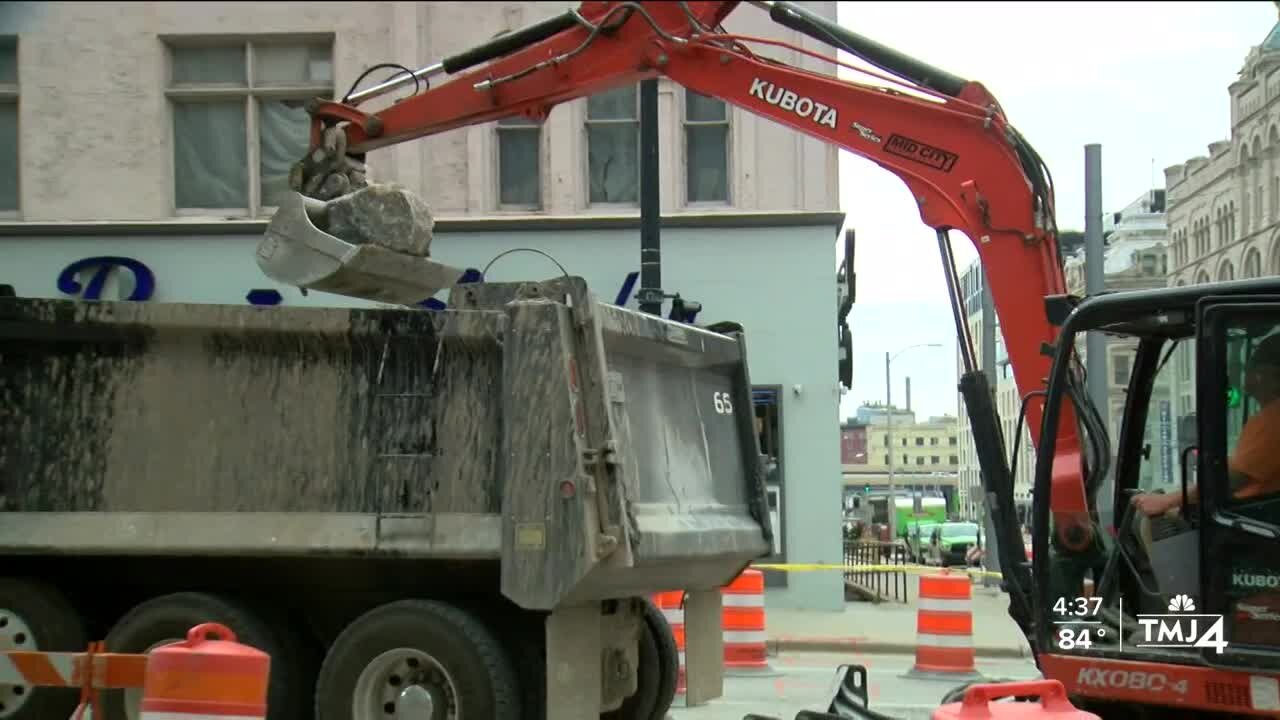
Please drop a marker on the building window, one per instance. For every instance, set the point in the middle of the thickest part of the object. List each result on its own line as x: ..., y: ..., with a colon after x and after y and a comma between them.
x: 886, y: 459
x: 239, y: 122
x: 933, y: 441
x: 952, y: 441
x: 920, y: 460
x: 1274, y: 203
x: 8, y: 124
x: 1252, y: 263
x: 706, y: 132
x: 934, y: 460
x: 519, y: 163
x: 613, y: 146
x: 955, y: 460
x: 1120, y: 369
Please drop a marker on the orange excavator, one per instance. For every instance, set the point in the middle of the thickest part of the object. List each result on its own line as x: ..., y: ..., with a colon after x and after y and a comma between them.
x: 1184, y: 615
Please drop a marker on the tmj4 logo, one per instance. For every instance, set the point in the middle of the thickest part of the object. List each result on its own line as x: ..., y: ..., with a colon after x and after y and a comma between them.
x: 1182, y: 628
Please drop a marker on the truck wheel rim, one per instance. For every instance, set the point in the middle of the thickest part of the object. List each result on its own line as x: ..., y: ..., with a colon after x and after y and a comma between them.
x: 15, y: 634
x: 404, y: 684
x: 133, y: 696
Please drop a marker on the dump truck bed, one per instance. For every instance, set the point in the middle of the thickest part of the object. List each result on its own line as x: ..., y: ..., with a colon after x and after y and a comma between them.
x: 591, y: 450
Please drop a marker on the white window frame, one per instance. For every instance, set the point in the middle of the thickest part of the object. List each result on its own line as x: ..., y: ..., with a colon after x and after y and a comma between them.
x: 250, y: 94
x: 685, y: 125
x: 1116, y: 357
x: 519, y: 123
x: 9, y: 95
x: 587, y: 123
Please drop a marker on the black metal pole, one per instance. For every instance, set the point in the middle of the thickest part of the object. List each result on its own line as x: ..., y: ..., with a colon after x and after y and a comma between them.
x: 650, y: 210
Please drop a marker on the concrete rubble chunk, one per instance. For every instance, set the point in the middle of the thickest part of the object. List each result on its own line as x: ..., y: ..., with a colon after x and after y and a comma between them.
x: 386, y: 215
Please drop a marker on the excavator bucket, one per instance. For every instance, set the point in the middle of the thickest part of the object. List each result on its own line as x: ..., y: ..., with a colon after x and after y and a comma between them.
x: 295, y: 250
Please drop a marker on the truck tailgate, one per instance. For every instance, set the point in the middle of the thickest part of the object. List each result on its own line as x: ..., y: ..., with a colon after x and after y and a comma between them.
x: 659, y: 486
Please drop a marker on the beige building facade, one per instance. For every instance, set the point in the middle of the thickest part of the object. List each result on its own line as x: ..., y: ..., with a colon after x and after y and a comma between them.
x: 156, y: 111
x: 929, y: 446
x: 1224, y: 207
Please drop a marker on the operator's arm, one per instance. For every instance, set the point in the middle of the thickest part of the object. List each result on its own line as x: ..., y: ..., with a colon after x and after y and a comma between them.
x: 1253, y: 463
x: 1153, y: 505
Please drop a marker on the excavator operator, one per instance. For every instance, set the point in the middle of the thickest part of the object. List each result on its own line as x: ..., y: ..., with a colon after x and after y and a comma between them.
x: 1254, y: 465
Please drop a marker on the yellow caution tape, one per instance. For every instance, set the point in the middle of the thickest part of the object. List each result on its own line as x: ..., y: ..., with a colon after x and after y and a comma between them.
x: 910, y: 569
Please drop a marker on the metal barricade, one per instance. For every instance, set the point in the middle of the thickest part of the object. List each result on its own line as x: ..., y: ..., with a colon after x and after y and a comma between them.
x: 870, y: 572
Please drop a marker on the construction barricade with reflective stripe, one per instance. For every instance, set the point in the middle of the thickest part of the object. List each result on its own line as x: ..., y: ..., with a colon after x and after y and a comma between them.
x: 201, y: 695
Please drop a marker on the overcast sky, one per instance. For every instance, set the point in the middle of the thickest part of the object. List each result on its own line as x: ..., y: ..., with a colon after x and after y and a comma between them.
x: 1147, y: 81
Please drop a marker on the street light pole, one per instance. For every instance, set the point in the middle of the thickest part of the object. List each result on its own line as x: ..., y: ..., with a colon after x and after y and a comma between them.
x: 888, y: 445
x: 888, y: 434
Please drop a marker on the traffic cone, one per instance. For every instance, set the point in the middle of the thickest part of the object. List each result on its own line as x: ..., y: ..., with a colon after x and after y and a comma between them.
x: 206, y: 679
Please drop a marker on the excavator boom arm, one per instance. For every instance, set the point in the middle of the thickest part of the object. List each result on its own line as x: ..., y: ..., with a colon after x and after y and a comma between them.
x: 947, y: 139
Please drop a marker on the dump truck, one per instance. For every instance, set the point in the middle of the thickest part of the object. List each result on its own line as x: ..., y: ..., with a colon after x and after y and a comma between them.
x: 415, y: 512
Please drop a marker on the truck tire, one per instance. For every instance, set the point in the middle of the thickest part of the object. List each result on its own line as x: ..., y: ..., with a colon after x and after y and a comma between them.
x: 416, y: 652
x: 35, y: 616
x: 165, y: 619
x: 668, y: 659
x: 526, y: 641
x: 657, y: 674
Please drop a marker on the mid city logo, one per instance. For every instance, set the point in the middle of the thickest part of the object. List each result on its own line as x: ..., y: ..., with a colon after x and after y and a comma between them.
x: 1182, y: 627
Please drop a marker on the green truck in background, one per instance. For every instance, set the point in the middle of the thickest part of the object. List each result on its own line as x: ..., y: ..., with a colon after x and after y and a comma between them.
x: 929, y: 509
x: 916, y: 518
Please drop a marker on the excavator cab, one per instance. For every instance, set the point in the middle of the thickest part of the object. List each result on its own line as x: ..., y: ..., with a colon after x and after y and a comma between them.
x: 1185, y: 603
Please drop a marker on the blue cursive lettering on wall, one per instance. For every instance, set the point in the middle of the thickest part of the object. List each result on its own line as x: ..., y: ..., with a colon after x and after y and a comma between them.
x: 628, y: 286
x: 144, y: 281
x: 264, y: 297
x: 145, y: 284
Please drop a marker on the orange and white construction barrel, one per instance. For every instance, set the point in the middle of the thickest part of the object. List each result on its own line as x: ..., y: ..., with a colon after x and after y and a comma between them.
x: 208, y: 676
x: 944, y: 628
x: 742, y: 622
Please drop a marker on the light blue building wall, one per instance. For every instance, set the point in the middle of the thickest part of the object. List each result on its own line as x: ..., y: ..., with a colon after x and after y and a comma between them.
x: 772, y: 273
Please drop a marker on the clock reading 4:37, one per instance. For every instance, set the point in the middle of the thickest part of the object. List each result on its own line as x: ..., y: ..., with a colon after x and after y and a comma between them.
x: 1080, y: 607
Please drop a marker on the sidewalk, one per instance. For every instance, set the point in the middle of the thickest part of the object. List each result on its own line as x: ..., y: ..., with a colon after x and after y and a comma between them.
x: 890, y: 627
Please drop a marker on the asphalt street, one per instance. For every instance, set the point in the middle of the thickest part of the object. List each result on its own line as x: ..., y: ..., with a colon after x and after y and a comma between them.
x: 803, y: 681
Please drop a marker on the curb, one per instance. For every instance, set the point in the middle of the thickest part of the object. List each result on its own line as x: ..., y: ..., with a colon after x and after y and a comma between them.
x: 837, y: 645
